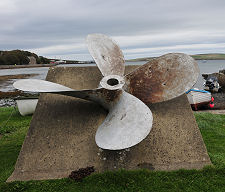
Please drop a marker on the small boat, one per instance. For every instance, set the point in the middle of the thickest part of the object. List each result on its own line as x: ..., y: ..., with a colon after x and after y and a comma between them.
x: 26, y: 105
x: 199, y: 98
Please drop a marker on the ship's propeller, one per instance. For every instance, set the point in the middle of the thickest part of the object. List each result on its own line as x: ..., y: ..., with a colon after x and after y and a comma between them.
x: 129, y: 119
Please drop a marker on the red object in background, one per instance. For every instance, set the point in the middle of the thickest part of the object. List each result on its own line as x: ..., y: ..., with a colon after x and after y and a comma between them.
x: 211, y: 105
x: 212, y: 99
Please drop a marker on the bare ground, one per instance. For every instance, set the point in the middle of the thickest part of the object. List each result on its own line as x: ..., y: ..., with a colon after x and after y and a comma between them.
x: 219, y: 100
x: 25, y: 66
x: 218, y: 112
x: 6, y: 80
x: 20, y: 76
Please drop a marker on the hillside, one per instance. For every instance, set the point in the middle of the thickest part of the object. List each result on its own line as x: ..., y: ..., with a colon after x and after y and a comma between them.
x: 211, y: 56
x: 20, y: 57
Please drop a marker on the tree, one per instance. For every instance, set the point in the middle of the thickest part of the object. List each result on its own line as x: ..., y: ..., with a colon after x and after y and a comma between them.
x: 43, y: 60
x: 2, y: 61
x: 10, y: 59
x: 19, y: 57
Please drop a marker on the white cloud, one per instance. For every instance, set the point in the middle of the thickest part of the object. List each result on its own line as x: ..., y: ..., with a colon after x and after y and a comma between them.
x: 54, y: 27
x: 57, y: 49
x: 189, y: 49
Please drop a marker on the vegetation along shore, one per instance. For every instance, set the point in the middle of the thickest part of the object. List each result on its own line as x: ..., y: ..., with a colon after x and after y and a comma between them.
x: 20, y: 59
x: 211, y: 56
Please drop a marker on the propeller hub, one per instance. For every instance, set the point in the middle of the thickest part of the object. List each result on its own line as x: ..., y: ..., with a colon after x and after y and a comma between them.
x: 112, y: 82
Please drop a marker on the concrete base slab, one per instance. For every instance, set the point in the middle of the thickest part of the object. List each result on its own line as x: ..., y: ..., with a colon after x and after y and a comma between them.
x: 61, y: 137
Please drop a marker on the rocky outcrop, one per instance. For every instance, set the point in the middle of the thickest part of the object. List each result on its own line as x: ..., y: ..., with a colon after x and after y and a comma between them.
x: 220, y: 76
x: 32, y: 61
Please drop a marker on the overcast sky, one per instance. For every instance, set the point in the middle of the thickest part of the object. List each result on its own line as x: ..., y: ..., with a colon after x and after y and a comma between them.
x: 142, y: 28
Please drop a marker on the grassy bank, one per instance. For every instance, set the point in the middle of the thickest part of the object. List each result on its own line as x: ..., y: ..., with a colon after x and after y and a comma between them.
x: 211, y: 178
x: 213, y: 56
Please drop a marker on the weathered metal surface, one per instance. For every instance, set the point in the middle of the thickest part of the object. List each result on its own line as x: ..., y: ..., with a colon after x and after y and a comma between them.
x: 107, y: 54
x: 112, y: 82
x: 163, y: 78
x: 103, y: 96
x: 129, y: 121
x: 42, y: 86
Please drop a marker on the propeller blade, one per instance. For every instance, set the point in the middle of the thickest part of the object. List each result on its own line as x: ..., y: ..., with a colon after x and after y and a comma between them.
x: 107, y: 54
x: 129, y: 121
x: 163, y: 78
x: 100, y: 95
x: 42, y: 86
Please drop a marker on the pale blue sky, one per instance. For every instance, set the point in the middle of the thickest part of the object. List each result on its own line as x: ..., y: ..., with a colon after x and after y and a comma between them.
x: 142, y: 28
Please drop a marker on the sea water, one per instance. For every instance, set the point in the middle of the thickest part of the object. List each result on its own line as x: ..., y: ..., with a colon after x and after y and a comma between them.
x: 208, y: 66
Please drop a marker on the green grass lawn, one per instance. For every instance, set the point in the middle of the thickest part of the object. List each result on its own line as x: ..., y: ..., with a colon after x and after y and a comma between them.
x: 210, y: 178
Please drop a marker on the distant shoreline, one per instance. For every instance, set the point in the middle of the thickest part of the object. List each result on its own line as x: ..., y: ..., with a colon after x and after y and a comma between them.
x: 212, y: 56
x: 25, y: 66
x: 148, y: 59
x: 31, y: 66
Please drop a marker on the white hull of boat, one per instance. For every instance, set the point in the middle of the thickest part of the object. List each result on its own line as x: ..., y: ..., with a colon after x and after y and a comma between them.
x: 199, y: 98
x: 26, y: 106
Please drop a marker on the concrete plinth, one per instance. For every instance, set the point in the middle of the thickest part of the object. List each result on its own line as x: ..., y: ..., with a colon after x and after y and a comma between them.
x: 61, y: 137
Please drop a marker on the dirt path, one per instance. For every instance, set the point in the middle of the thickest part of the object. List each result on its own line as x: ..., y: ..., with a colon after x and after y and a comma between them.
x: 218, y: 112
